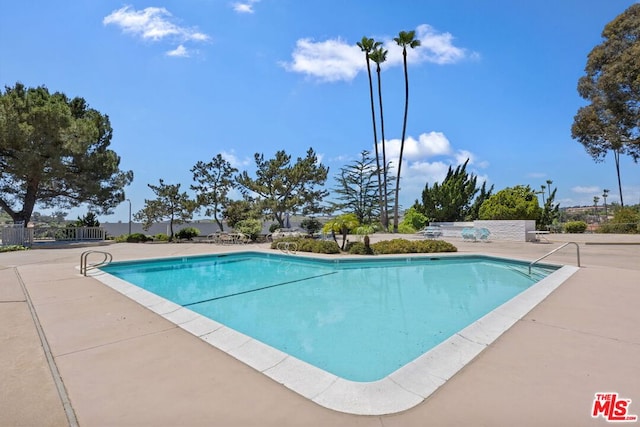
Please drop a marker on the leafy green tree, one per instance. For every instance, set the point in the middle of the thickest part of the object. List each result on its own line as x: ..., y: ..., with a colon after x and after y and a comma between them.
x: 474, y: 209
x: 611, y: 122
x: 405, y: 39
x: 54, y: 151
x: 356, y: 189
x: 550, y: 211
x: 452, y: 200
x: 379, y: 55
x: 282, y: 187
x: 240, y: 210
x: 170, y: 204
x: 88, y: 220
x: 412, y: 221
x: 341, y: 224
x: 214, y: 181
x: 5, y: 218
x: 368, y: 45
x: 252, y: 227
x: 311, y: 225
x: 626, y: 219
x: 519, y: 202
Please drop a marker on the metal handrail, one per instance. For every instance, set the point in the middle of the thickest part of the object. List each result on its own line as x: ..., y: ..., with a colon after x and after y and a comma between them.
x: 556, y: 250
x: 84, y: 267
x: 287, y: 247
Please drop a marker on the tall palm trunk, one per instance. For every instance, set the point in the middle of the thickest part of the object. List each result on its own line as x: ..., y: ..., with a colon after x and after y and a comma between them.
x: 385, y: 216
x: 379, y: 55
x: 375, y: 144
x: 367, y: 45
x: 404, y: 39
x: 404, y: 129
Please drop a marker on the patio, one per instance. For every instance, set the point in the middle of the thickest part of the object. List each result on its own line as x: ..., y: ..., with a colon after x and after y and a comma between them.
x: 121, y: 364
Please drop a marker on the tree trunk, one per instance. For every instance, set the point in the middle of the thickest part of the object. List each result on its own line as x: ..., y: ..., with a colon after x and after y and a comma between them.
x: 404, y: 129
x: 384, y: 216
x: 616, y: 155
x: 375, y: 141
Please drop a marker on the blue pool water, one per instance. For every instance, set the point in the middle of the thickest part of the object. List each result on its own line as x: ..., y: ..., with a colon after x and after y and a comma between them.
x: 358, y: 319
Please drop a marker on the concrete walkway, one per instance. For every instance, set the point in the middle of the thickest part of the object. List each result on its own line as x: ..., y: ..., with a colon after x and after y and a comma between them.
x: 75, y: 352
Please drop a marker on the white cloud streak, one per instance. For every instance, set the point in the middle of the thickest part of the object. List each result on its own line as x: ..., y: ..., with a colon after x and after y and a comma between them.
x: 246, y: 7
x: 586, y: 190
x: 154, y: 24
x: 335, y: 60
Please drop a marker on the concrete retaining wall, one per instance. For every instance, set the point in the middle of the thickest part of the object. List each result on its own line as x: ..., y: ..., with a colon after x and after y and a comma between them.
x: 513, y: 230
x: 506, y: 230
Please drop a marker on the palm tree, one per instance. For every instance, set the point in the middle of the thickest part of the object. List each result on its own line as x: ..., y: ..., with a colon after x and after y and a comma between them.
x: 368, y: 45
x: 404, y: 39
x: 379, y: 55
x: 341, y: 224
x: 549, y: 182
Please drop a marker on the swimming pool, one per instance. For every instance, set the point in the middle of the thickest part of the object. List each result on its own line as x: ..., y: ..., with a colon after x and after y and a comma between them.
x: 330, y: 329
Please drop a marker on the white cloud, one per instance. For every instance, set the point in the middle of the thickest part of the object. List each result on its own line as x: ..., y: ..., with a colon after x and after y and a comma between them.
x: 330, y: 61
x: 427, y: 145
x: 586, y: 190
x: 154, y: 24
x: 419, y: 167
x: 180, y: 51
x: 335, y: 60
x: 234, y: 160
x: 536, y: 175
x: 246, y: 7
x: 435, y: 47
x: 462, y: 156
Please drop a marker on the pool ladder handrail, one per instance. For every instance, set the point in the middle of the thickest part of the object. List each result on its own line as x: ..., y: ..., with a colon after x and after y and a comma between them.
x: 287, y: 247
x: 84, y: 267
x: 554, y: 251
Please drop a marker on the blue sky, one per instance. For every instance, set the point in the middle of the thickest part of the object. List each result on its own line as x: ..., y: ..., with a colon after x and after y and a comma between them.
x: 182, y: 81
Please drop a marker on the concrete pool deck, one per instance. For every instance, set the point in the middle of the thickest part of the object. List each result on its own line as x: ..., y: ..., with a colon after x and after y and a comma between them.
x: 121, y: 364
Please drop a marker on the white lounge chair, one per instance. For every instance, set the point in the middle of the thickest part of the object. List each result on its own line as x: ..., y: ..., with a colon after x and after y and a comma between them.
x: 483, y: 234
x: 432, y: 232
x: 469, y: 234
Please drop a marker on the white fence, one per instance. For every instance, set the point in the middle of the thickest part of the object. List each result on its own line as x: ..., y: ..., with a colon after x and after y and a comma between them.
x: 14, y: 234
x: 17, y: 234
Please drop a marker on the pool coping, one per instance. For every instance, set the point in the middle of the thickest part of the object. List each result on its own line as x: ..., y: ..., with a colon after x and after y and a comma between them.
x: 401, y: 390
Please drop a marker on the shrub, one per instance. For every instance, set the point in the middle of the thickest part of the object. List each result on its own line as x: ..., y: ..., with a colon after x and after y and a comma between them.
x: 188, y: 233
x: 611, y: 227
x: 273, y: 227
x: 137, y: 238
x: 310, y: 245
x: 357, y: 248
x: 575, y: 227
x: 12, y: 248
x: 311, y: 225
x: 519, y: 202
x: 412, y: 221
x: 403, y: 246
x: 625, y: 220
x: 407, y: 228
x: 250, y: 227
x: 161, y: 237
